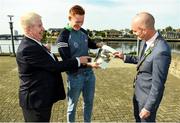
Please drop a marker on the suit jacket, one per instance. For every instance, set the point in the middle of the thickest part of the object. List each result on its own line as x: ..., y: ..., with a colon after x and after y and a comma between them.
x: 41, y: 82
x: 152, y: 74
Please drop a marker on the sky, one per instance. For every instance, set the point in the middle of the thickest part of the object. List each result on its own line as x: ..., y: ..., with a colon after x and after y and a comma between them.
x: 100, y: 14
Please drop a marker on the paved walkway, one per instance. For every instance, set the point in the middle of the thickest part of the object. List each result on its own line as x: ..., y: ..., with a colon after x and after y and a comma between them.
x: 112, y: 98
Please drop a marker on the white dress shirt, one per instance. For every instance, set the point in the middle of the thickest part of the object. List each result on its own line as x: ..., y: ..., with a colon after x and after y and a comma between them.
x: 151, y: 40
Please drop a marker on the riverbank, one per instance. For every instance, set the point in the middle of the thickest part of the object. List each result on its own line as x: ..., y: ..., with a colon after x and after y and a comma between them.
x: 175, y: 65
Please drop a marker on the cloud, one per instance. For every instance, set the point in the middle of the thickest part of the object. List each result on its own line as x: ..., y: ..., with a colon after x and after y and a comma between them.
x: 100, y: 14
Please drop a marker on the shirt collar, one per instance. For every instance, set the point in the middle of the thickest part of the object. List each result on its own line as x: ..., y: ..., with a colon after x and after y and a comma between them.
x: 68, y: 27
x: 34, y: 40
x: 151, y: 40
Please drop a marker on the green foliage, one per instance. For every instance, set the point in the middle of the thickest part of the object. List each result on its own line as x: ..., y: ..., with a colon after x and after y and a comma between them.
x: 51, y: 40
x: 44, y: 39
x: 100, y: 33
x: 169, y: 29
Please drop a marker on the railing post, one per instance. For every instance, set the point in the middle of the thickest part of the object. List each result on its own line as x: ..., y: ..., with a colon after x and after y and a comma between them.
x: 0, y: 49
x: 9, y: 49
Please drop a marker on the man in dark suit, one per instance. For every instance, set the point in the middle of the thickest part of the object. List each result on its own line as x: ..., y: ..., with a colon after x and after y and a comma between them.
x: 41, y: 82
x: 152, y: 67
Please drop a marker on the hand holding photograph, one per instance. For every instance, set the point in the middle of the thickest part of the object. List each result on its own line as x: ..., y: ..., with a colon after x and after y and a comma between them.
x: 103, y: 56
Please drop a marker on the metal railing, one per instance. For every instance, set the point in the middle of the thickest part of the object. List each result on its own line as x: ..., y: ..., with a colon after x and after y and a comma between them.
x: 6, y: 48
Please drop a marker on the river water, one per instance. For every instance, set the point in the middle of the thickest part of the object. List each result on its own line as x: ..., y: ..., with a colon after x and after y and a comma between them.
x: 125, y: 46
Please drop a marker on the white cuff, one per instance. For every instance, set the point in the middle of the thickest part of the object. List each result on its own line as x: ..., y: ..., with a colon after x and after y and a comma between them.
x: 79, y: 64
x: 124, y: 58
x: 145, y: 110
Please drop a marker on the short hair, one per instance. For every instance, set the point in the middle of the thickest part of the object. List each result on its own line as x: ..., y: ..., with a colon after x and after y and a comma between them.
x: 147, y: 20
x: 28, y: 19
x: 76, y: 9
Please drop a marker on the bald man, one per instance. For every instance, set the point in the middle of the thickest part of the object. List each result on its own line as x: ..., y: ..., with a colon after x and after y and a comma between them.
x: 152, y: 67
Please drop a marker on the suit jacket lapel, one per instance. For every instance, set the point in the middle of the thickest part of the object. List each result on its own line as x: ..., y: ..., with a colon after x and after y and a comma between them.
x: 56, y: 59
x: 141, y: 61
x: 143, y: 56
x: 32, y: 41
x: 41, y: 47
x: 142, y: 50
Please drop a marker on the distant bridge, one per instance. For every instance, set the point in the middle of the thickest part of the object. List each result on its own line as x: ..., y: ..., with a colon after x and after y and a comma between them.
x: 8, y: 37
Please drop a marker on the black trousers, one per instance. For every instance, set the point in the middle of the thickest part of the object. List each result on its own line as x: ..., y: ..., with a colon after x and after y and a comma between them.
x: 37, y: 115
x: 137, y: 109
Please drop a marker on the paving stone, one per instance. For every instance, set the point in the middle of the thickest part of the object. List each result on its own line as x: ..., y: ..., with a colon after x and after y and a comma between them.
x: 112, y: 103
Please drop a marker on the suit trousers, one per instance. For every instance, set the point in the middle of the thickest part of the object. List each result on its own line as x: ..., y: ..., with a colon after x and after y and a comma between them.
x: 37, y: 115
x: 137, y: 109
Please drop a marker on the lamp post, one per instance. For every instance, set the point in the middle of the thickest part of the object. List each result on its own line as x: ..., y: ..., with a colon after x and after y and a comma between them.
x: 11, y: 28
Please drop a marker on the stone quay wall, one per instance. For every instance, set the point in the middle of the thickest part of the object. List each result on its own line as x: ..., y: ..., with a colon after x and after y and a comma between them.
x: 175, y: 65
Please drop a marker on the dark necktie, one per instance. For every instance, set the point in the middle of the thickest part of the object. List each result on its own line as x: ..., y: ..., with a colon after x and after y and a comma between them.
x: 144, y: 48
x: 45, y: 48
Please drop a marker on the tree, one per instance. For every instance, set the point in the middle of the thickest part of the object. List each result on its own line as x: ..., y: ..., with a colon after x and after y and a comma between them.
x: 44, y: 39
x: 89, y: 33
x: 169, y: 29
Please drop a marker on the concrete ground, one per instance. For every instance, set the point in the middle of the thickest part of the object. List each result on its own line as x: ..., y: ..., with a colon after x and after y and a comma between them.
x: 113, y: 96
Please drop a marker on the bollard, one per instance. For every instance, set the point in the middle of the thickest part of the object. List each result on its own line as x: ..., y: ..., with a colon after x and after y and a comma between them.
x: 10, y: 49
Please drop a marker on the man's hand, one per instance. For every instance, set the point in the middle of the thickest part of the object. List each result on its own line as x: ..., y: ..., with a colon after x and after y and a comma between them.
x: 119, y: 55
x: 93, y: 65
x: 84, y: 59
x: 144, y: 114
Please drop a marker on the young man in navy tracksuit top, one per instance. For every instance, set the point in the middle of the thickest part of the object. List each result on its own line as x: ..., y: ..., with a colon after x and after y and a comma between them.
x: 74, y: 42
